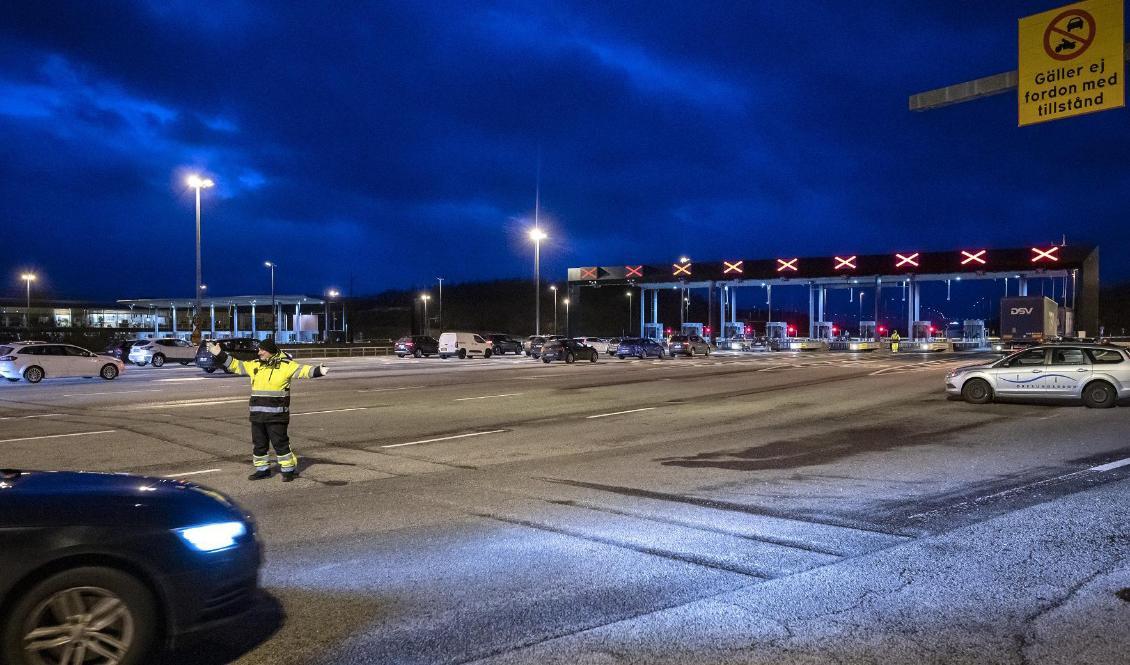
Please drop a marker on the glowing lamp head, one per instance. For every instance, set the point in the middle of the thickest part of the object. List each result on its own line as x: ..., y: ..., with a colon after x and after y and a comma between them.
x: 334, y: 293
x: 28, y: 277
x: 268, y: 264
x: 196, y: 182
x: 537, y: 235
x: 683, y: 259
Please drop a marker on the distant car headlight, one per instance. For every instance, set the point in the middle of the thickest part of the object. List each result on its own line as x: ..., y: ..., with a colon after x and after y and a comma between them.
x: 212, y: 537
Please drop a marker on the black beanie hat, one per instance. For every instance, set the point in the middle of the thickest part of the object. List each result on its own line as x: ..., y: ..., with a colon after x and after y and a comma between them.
x: 269, y: 346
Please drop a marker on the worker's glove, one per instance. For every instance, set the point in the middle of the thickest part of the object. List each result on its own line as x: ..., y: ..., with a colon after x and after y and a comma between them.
x: 215, y: 349
x: 323, y: 370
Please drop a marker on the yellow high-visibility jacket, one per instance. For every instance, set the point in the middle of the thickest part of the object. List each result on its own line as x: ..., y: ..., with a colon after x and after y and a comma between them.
x: 270, y: 384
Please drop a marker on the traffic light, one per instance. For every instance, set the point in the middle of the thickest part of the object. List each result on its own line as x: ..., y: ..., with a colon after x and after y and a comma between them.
x: 748, y: 329
x: 707, y: 329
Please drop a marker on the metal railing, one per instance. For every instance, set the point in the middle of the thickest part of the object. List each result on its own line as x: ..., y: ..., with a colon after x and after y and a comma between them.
x: 339, y: 351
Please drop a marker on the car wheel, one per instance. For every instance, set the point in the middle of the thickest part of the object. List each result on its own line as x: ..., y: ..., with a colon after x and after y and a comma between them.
x: 570, y: 358
x: 89, y: 611
x: 545, y: 360
x: 184, y: 363
x: 400, y: 355
x: 620, y: 356
x: 462, y: 353
x: 690, y: 354
x: 33, y: 374
x: 442, y: 356
x: 417, y: 353
x: 209, y: 369
x: 487, y: 353
x: 708, y: 352
x: 592, y: 358
x: 158, y: 360
x: 977, y: 391
x: 140, y: 364
x: 1099, y: 395
x: 109, y: 372
x: 643, y: 355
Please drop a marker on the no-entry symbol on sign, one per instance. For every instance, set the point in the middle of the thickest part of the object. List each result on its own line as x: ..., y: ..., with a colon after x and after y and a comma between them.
x: 1069, y: 34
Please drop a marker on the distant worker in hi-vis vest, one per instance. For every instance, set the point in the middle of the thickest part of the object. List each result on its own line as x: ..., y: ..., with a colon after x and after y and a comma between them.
x: 270, y: 404
x: 895, y: 341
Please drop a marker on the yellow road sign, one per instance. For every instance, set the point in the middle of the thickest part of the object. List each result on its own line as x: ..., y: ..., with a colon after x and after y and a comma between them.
x: 1071, y: 62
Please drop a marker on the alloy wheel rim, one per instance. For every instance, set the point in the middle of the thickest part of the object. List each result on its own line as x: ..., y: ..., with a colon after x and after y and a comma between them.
x: 79, y: 626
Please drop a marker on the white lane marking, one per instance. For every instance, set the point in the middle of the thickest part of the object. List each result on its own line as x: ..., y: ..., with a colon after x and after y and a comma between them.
x: 385, y: 390
x: 310, y: 413
x: 539, y: 376
x: 42, y: 415
x: 1111, y: 465
x: 191, y: 473
x: 617, y: 413
x: 58, y: 436
x: 177, y: 405
x: 114, y: 392
x: 188, y: 378
x: 444, y: 438
x: 464, y: 399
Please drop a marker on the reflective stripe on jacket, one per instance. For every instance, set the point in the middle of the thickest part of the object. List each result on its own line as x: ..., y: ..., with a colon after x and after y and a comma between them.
x: 270, y: 384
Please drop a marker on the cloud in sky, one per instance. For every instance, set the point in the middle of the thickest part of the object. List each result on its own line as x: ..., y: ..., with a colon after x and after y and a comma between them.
x: 393, y: 142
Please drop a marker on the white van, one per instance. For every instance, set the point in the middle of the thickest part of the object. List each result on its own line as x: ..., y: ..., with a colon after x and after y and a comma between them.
x: 463, y: 344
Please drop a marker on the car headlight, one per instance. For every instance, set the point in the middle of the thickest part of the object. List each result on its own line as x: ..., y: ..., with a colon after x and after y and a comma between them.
x: 212, y: 537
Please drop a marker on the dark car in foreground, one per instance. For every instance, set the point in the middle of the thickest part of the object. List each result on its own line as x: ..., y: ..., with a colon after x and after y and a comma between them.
x: 569, y: 350
x: 104, y: 568
x: 242, y: 348
x: 416, y: 346
x: 639, y: 347
x: 501, y: 344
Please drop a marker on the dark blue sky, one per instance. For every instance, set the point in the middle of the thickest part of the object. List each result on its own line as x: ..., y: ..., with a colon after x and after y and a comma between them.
x: 399, y: 141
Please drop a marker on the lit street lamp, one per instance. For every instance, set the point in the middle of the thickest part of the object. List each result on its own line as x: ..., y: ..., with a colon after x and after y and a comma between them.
x: 537, y: 235
x: 425, y: 298
x: 274, y: 308
x: 198, y: 183
x: 566, y: 301
x: 330, y: 295
x: 553, y: 287
x: 28, y: 277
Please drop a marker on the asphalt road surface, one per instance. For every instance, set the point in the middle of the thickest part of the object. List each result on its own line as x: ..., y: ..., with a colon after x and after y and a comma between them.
x: 756, y: 508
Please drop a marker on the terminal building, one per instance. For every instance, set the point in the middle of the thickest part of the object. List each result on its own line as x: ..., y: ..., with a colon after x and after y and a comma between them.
x: 293, y: 319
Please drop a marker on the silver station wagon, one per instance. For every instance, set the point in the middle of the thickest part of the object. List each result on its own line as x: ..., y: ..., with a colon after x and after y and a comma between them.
x: 1095, y: 373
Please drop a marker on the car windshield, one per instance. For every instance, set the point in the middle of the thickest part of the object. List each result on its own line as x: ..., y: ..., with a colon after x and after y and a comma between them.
x: 5, y: 350
x: 680, y: 338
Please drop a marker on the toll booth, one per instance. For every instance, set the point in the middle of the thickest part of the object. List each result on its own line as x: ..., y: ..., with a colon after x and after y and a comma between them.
x: 921, y: 330
x: 822, y: 330
x: 868, y: 330
x: 653, y: 331
x: 733, y: 330
x: 973, y: 330
x: 692, y: 329
x: 777, y: 330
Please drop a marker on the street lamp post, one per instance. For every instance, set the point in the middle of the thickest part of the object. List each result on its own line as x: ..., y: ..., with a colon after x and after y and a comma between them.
x: 198, y: 183
x: 274, y: 308
x: 537, y: 235
x: 440, y: 280
x: 330, y: 295
x: 629, y: 311
x: 553, y: 287
x: 566, y: 301
x: 425, y: 298
x: 28, y: 277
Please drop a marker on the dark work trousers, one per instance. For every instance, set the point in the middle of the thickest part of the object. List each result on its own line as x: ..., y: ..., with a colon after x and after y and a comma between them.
x: 267, y: 435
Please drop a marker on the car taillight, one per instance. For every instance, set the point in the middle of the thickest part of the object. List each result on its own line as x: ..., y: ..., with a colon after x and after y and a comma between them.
x: 409, y: 344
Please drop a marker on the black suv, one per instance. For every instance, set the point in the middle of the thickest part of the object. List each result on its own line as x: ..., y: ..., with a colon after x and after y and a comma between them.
x: 501, y: 344
x: 416, y: 346
x: 569, y: 350
x: 120, y: 349
x: 242, y: 348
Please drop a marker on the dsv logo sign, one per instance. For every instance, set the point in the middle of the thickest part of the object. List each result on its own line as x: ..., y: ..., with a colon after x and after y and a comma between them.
x: 1022, y: 310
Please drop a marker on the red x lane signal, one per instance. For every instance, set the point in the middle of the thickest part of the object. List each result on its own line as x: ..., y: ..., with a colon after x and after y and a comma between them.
x: 634, y: 271
x: 909, y: 260
x: 588, y: 273
x: 783, y: 265
x: 734, y: 268
x: 973, y: 257
x: 681, y: 269
x: 849, y: 262
x: 1051, y: 255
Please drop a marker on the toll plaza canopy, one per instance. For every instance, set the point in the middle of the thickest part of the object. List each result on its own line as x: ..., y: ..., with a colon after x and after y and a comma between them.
x: 1080, y: 263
